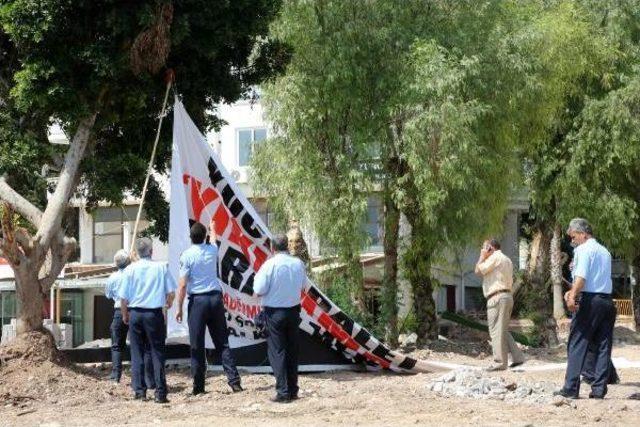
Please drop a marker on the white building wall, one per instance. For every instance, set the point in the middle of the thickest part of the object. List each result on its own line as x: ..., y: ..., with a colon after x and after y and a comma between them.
x: 86, y: 237
x: 238, y: 116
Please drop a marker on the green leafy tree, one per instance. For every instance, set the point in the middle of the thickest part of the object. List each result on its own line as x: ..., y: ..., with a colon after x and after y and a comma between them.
x: 402, y: 99
x: 570, y: 58
x: 95, y: 67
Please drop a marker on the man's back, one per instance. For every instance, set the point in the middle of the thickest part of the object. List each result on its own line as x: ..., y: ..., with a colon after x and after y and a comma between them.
x: 280, y: 281
x: 199, y: 264
x: 592, y: 262
x: 145, y: 284
x: 112, y: 288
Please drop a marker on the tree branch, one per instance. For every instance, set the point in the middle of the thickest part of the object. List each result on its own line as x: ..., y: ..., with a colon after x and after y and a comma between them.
x: 61, y: 250
x: 9, y: 243
x: 20, y: 204
x: 52, y: 217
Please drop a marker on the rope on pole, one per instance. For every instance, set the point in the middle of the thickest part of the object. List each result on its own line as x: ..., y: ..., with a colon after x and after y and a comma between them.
x: 169, y: 77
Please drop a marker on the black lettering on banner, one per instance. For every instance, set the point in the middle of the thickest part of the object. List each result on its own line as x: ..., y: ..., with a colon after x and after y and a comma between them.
x: 258, y: 335
x: 227, y: 195
x: 408, y: 363
x: 315, y: 295
x: 232, y: 331
x: 382, y: 352
x: 250, y: 227
x: 235, y: 207
x: 362, y: 337
x: 214, y: 172
x: 233, y: 267
x: 239, y: 321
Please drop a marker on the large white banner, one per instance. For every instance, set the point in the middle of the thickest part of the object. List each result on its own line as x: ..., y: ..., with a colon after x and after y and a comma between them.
x: 202, y: 189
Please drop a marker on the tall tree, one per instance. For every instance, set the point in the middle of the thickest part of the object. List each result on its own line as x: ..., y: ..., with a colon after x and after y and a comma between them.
x: 402, y: 99
x: 93, y: 66
x: 570, y: 57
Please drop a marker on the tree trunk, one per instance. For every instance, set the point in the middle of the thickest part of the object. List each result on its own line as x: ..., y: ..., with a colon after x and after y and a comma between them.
x: 556, y: 273
x: 30, y: 299
x: 390, y: 275
x: 635, y: 293
x: 417, y: 265
x: 355, y: 278
x: 538, y: 278
x: 26, y: 253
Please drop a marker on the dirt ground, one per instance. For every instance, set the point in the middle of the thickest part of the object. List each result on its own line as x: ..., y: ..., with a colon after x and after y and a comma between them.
x: 47, y: 394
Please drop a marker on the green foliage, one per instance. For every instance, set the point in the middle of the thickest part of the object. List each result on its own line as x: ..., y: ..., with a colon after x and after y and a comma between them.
x: 64, y: 59
x: 341, y: 290
x: 602, y: 179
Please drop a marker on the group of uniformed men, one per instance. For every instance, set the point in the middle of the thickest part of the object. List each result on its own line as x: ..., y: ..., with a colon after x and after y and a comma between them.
x: 144, y: 290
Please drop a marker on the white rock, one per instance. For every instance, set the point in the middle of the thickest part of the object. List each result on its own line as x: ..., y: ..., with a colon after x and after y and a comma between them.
x: 411, y: 339
x: 449, y: 377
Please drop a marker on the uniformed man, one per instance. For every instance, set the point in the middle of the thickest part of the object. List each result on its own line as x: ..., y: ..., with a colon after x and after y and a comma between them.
x: 119, y: 329
x: 199, y: 280
x: 280, y: 282
x: 594, y: 315
x: 147, y: 287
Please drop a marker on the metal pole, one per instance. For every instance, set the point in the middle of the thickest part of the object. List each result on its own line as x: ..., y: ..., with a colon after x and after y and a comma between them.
x: 52, y: 297
x: 58, y: 304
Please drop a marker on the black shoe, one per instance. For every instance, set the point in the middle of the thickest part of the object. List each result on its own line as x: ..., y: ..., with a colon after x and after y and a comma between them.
x: 564, y: 393
x: 516, y: 364
x: 197, y: 390
x: 236, y: 388
x: 140, y: 396
x: 294, y: 396
x: 280, y: 399
x: 161, y: 399
x: 596, y: 396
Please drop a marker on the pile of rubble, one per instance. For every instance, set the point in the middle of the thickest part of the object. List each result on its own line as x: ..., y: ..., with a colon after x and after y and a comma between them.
x: 478, y: 384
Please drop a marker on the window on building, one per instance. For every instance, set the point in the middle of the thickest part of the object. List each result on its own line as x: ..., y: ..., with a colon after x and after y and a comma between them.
x: 262, y: 209
x: 247, y: 142
x: 375, y: 222
x: 8, y: 307
x: 72, y: 312
x: 111, y: 225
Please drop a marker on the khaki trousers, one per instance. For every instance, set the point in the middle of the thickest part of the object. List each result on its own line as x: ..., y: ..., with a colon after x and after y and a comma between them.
x: 498, y: 315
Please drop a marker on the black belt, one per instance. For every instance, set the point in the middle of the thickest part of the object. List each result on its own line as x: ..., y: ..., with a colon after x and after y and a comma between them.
x: 205, y: 293
x: 596, y: 294
x: 501, y: 291
x: 145, y: 309
x: 295, y: 307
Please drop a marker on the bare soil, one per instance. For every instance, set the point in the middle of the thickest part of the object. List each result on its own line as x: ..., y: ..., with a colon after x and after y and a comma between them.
x: 44, y: 390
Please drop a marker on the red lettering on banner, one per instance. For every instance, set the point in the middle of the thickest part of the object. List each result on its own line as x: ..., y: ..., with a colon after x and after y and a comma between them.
x: 250, y: 311
x: 261, y: 257
x: 221, y: 218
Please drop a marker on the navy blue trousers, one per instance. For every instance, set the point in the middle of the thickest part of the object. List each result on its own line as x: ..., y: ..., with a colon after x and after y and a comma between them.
x: 147, y: 328
x: 592, y: 326
x: 206, y: 311
x: 283, y: 348
x: 588, y: 370
x: 119, y: 331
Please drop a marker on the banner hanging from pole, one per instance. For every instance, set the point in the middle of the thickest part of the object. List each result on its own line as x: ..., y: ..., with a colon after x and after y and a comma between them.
x: 202, y: 190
